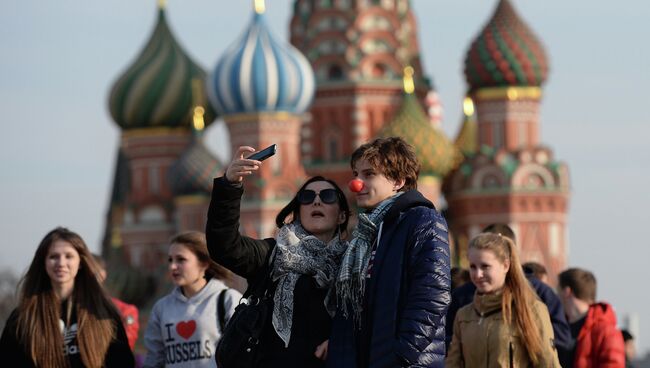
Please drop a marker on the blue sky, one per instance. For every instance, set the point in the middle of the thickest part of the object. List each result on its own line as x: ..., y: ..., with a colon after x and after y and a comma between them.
x: 59, y: 59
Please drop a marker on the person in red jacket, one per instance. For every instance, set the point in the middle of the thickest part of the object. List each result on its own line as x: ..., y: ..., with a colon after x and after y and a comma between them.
x: 128, y: 312
x: 598, y: 342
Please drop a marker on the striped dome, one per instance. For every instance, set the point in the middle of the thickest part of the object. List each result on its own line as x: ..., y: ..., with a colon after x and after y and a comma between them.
x: 194, y: 170
x: 259, y: 73
x: 506, y: 53
x: 437, y: 155
x: 160, y: 88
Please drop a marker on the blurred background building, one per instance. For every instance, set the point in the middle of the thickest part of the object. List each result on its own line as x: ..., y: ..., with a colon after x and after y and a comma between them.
x: 350, y: 72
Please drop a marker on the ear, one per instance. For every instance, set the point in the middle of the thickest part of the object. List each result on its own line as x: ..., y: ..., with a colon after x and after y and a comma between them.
x: 204, y: 266
x: 506, y: 264
x: 566, y: 291
x: 399, y: 184
x: 342, y: 217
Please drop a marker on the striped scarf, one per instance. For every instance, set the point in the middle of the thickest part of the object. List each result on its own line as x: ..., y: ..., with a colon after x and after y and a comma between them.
x: 351, y: 281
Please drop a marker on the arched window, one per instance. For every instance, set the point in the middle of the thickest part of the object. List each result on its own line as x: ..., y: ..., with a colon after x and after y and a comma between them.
x: 373, y: 22
x: 490, y: 181
x: 333, y: 149
x: 324, y: 4
x: 335, y: 72
x: 378, y: 71
x: 152, y: 214
x: 332, y: 146
x: 154, y: 180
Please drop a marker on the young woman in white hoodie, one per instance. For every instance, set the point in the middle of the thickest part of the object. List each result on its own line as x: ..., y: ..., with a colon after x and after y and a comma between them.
x: 185, y: 326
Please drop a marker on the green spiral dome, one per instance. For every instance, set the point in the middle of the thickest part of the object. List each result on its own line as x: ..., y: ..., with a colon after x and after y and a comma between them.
x: 161, y: 87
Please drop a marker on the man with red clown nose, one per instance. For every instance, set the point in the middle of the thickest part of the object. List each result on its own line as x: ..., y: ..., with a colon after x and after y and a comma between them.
x: 393, y: 287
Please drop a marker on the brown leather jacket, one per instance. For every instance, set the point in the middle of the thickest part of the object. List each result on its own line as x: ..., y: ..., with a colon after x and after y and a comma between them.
x: 481, y: 339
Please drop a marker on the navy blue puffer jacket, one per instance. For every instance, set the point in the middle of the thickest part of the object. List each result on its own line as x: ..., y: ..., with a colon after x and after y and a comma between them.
x: 406, y: 299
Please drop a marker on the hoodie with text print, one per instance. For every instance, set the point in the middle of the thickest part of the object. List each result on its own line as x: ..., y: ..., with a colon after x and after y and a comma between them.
x: 184, y: 332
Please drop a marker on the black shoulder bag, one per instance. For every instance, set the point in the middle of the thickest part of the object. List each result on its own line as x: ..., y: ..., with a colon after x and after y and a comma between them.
x: 239, y: 346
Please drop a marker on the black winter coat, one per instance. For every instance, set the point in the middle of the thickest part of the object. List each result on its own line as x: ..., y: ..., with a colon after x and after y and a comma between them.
x: 406, y: 299
x: 248, y: 257
x: 119, y: 354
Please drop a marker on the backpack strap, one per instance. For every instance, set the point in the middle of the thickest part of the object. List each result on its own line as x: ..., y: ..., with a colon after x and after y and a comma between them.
x: 221, y: 309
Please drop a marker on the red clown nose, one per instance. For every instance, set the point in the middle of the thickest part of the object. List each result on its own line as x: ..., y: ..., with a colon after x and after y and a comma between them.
x: 355, y: 185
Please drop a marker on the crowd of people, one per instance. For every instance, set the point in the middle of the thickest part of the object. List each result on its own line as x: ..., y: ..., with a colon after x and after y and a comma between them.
x: 381, y: 295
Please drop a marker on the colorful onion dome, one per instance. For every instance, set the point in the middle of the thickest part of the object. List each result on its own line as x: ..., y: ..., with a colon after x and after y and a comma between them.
x: 161, y: 87
x: 194, y: 170
x: 437, y: 155
x: 506, y: 53
x: 260, y: 73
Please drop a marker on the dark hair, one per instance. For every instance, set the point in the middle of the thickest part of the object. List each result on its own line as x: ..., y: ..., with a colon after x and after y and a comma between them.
x: 293, y: 208
x: 536, y: 269
x: 393, y: 157
x: 459, y: 276
x: 502, y: 229
x: 581, y: 282
x: 195, y: 242
x: 39, y: 308
x: 627, y: 336
x: 101, y: 262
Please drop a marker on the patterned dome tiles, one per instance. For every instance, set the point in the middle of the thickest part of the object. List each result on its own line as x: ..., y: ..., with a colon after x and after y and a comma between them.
x: 506, y: 53
x: 194, y: 170
x: 437, y: 155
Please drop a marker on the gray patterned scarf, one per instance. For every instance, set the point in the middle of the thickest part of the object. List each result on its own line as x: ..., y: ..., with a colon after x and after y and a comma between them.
x: 351, y: 281
x: 299, y: 253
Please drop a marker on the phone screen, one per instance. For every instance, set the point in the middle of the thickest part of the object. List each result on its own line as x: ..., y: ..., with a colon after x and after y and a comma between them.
x: 264, y: 154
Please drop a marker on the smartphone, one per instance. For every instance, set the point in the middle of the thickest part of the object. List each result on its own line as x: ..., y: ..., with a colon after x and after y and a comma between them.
x: 264, y: 154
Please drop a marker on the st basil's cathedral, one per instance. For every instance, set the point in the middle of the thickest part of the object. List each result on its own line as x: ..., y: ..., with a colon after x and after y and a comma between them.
x: 350, y: 72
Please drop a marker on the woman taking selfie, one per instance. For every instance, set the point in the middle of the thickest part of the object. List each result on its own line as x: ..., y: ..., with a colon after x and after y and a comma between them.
x: 185, y: 325
x: 506, y: 325
x: 64, y: 318
x: 302, y: 261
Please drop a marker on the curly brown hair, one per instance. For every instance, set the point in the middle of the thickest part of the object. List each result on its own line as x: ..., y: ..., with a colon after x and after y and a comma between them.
x: 393, y: 157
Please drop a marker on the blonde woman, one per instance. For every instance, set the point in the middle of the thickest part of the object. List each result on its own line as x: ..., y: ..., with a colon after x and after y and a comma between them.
x: 506, y: 325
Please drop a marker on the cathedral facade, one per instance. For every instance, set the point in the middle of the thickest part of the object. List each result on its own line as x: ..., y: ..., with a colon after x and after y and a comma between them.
x: 350, y: 72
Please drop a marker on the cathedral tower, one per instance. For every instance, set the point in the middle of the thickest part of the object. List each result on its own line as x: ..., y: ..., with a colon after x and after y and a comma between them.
x: 153, y: 102
x: 437, y: 155
x: 358, y: 49
x: 262, y: 86
x: 508, y: 176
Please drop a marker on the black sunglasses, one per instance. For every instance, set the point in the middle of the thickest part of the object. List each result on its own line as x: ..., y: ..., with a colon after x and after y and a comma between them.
x: 307, y: 196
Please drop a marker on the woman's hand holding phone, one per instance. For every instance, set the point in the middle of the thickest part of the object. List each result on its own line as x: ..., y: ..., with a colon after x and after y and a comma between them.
x: 240, y: 166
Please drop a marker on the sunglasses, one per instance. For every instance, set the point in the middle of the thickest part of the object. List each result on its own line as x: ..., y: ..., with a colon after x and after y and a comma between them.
x: 307, y: 196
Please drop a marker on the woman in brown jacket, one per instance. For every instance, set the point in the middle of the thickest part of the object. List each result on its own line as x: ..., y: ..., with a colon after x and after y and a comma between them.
x: 506, y: 325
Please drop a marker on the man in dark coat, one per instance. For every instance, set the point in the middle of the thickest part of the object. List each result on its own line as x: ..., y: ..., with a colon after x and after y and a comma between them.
x: 393, y: 288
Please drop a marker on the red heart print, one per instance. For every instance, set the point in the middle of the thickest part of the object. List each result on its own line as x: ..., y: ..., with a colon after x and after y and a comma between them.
x: 186, y: 329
